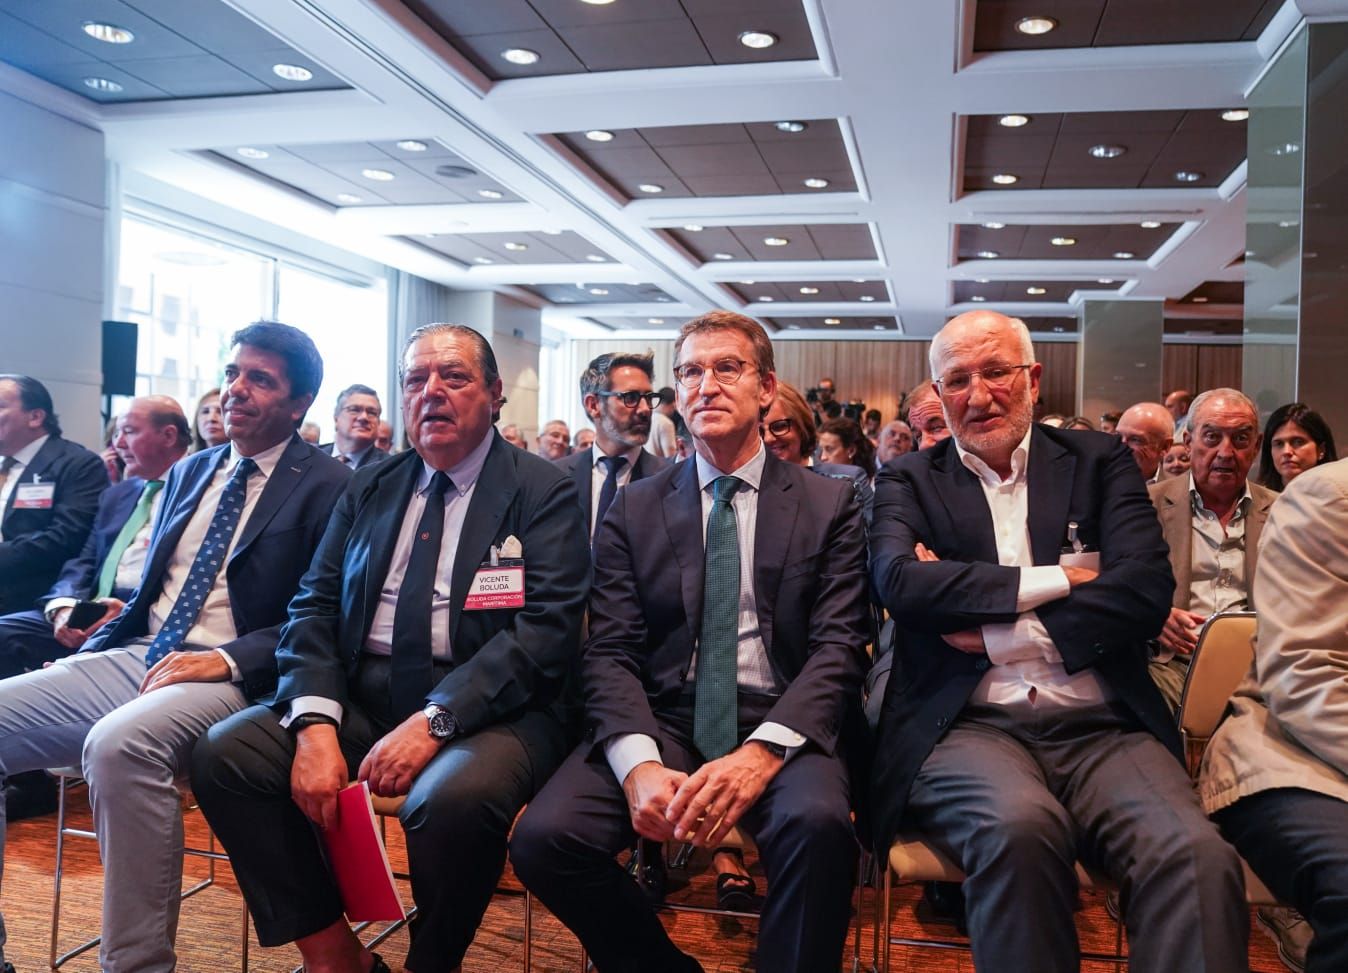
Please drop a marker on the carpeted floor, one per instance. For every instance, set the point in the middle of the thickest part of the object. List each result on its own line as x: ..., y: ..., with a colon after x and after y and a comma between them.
x: 210, y: 927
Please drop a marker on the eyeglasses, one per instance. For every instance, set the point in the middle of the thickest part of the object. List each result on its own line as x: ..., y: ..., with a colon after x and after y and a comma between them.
x: 727, y: 371
x: 633, y: 398
x: 778, y: 427
x: 997, y: 377
x: 361, y: 410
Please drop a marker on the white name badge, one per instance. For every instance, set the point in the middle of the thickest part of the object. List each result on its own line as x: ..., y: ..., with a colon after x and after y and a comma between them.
x: 34, y: 496
x: 496, y: 586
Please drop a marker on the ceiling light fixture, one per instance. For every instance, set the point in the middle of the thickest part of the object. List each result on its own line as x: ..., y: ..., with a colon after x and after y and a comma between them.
x: 648, y: 320
x: 1005, y: 179
x: 1188, y: 175
x: 103, y: 85
x: 867, y: 298
x: 1036, y: 291
x: 1035, y: 26
x: 1013, y: 121
x: 793, y: 327
x: 108, y: 33
x: 599, y: 291
x: 1058, y: 329
x: 981, y: 280
x: 815, y: 182
x: 765, y: 299
x: 553, y: 232
x: 348, y: 198
x: 877, y: 327
x: 378, y: 175
x: 292, y: 72
x: 775, y: 241
x: 1151, y: 224
x: 791, y: 127
x: 1105, y: 280
x: 595, y: 258
x: 1064, y: 241
x: 516, y: 247
x: 809, y: 290
x: 833, y: 320
x: 978, y: 298
x: 1107, y: 151
x: 490, y: 193
x: 994, y: 226
x: 597, y: 3
x: 651, y: 187
x: 1235, y: 114
x: 748, y: 283
x: 248, y: 152
x: 1124, y: 255
x: 693, y: 227
x: 988, y: 254
x: 1287, y: 148
x: 412, y: 145
x: 1200, y: 300
x: 757, y: 39
x: 520, y: 55
x: 599, y: 135
x: 722, y: 256
x: 483, y: 260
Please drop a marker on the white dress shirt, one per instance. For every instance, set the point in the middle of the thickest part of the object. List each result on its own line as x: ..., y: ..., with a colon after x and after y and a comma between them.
x: 600, y: 474
x: 754, y: 670
x: 1217, y: 581
x: 21, y: 460
x: 352, y: 460
x: 1026, y: 665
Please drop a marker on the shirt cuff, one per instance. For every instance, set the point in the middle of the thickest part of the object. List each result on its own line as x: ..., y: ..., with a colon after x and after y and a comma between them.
x: 1024, y: 640
x: 1039, y: 585
x: 234, y: 674
x: 626, y: 750
x: 56, y: 604
x: 312, y: 705
x: 781, y: 735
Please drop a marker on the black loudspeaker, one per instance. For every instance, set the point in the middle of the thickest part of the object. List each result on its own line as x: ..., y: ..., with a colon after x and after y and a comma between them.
x: 119, y: 357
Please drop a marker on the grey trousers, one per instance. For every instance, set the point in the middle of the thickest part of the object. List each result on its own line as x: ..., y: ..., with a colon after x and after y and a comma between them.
x: 1018, y: 794
x: 85, y: 709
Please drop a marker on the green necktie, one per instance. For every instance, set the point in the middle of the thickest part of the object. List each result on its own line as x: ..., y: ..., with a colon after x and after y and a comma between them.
x: 107, y: 577
x: 715, y: 724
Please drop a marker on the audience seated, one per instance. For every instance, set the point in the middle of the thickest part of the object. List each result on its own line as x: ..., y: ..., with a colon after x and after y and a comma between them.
x: 234, y: 533
x: 1176, y: 460
x: 1296, y: 439
x: 356, y: 425
x: 1025, y: 733
x: 311, y: 434
x: 1109, y: 422
x: 1147, y: 429
x: 1211, y: 520
x: 789, y: 433
x: 554, y: 442
x: 511, y: 433
x: 661, y: 441
x: 842, y: 443
x: 583, y: 439
x: 926, y: 417
x: 208, y: 424
x: 1179, y: 402
x: 384, y: 440
x: 896, y: 439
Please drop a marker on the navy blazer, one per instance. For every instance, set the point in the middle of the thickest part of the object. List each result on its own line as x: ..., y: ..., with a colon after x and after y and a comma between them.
x: 809, y: 586
x: 581, y: 467
x: 370, y: 457
x: 272, y: 552
x: 79, y: 576
x: 38, y: 542
x: 506, y: 661
x: 932, y: 498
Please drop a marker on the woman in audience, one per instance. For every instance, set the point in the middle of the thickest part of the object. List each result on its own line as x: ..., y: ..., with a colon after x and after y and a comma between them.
x: 842, y: 443
x: 208, y: 428
x: 789, y: 434
x: 1295, y: 440
x: 1176, y: 460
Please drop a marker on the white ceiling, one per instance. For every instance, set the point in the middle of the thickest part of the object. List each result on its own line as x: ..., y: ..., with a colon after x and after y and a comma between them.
x: 897, y: 76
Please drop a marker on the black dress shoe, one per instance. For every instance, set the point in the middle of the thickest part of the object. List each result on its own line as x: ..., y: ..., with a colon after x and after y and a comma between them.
x: 29, y: 795
x: 8, y: 968
x: 379, y: 965
x: 946, y: 901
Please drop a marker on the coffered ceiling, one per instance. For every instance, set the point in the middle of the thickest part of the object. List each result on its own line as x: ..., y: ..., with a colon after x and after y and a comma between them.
x: 826, y: 165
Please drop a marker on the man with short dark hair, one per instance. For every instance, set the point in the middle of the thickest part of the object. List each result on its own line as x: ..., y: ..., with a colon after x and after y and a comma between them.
x: 49, y: 490
x: 425, y: 654
x: 356, y: 425
x: 663, y: 440
x: 235, y: 531
x: 1147, y: 429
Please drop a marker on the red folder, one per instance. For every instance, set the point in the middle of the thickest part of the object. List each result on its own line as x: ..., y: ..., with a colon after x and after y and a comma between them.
x: 358, y: 860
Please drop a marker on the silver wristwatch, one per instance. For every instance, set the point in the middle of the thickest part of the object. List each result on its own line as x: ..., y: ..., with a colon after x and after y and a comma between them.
x: 443, y: 725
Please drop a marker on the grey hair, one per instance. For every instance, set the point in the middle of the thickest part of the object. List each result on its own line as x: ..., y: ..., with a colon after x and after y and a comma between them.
x: 1204, y: 397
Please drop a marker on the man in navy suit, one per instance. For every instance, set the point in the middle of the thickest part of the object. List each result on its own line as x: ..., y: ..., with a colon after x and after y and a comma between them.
x: 1026, y: 570
x: 615, y: 391
x: 235, y: 531
x: 49, y: 490
x: 356, y: 424
x: 717, y: 676
x: 426, y: 654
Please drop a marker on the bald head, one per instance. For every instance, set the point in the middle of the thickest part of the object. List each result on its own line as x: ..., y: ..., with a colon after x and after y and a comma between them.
x: 152, y: 435
x: 1146, y: 428
x: 1178, y: 402
x: 974, y: 326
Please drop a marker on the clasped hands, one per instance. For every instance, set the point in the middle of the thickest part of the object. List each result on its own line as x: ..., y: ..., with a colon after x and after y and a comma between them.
x: 701, y: 807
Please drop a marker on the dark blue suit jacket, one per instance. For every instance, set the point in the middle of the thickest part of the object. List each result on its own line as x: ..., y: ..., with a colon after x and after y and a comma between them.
x: 80, y: 574
x: 273, y: 550
x: 931, y: 497
x: 38, y: 542
x: 506, y: 661
x: 809, y: 585
x: 581, y: 467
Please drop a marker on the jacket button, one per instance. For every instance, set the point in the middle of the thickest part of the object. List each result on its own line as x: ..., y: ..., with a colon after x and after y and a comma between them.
x: 940, y: 723
x: 1099, y: 648
x: 982, y: 664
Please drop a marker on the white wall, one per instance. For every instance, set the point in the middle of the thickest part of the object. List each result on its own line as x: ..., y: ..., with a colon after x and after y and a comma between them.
x: 53, y: 214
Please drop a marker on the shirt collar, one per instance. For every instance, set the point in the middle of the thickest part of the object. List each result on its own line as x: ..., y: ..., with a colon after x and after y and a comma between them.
x: 751, y: 472
x: 632, y: 455
x: 266, y: 460
x: 463, y: 475
x: 1020, y: 461
x: 1196, y: 499
x: 354, y: 457
x: 25, y: 456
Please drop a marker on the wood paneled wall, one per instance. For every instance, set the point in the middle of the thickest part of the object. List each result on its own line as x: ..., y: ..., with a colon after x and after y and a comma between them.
x: 1201, y: 367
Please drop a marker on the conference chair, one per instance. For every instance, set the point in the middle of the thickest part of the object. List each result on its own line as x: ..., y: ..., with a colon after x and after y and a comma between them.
x: 1221, y: 659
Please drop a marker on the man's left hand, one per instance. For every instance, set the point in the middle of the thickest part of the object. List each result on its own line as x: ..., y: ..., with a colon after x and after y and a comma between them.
x: 402, y: 753
x: 185, y: 667
x: 712, y: 800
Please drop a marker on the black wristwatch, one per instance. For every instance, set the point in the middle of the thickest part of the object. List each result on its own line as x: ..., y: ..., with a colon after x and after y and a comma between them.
x: 776, y: 749
x: 310, y: 719
x: 442, y: 724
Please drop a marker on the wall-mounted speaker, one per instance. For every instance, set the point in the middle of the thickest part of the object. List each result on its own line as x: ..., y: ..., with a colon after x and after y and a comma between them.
x: 119, y: 357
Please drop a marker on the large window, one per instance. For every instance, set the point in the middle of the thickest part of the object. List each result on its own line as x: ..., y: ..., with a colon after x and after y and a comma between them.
x: 189, y: 292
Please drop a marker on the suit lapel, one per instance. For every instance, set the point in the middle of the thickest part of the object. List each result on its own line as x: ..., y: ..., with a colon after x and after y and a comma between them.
x: 967, y: 507
x: 683, y: 524
x: 495, y: 491
x: 1049, y: 497
x: 285, y: 477
x: 775, y: 525
x: 392, y: 494
x: 36, y: 468
x: 167, y: 542
x: 1177, y: 528
x: 582, y: 472
x: 1260, y: 502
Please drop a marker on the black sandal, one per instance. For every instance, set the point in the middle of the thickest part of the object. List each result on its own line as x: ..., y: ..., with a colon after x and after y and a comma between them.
x: 735, y: 892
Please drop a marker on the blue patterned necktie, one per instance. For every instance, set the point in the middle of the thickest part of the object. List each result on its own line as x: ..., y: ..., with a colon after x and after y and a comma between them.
x: 715, y: 706
x: 206, y: 565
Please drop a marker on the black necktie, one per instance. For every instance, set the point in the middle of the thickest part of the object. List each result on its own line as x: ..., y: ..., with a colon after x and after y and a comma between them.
x: 614, y: 465
x: 411, y: 671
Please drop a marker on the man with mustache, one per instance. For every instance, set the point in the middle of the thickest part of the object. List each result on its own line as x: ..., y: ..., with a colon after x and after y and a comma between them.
x: 925, y: 418
x: 615, y: 391
x: 1211, y: 519
x: 356, y: 420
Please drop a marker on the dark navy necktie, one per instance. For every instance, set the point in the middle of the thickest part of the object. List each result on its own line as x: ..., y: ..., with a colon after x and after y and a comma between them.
x: 614, y: 465
x: 411, y: 671
x: 206, y: 565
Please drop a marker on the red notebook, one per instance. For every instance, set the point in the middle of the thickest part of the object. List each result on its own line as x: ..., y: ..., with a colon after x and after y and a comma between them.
x: 359, y: 861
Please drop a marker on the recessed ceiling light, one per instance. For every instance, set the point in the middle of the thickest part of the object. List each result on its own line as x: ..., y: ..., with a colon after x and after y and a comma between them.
x: 599, y: 135
x: 877, y: 327
x: 595, y: 258
x: 775, y: 241
x: 664, y: 300
x: 1105, y: 280
x: 809, y: 290
x: 1235, y: 114
x: 1287, y: 224
x: 791, y: 127
x: 978, y: 298
x: 1035, y: 25
x: 483, y: 260
x: 748, y: 283
x: 1013, y: 121
x: 757, y: 39
x: 248, y: 152
x: 1200, y: 300
x: 599, y: 291
x: 1035, y: 291
x: 722, y: 256
x: 430, y: 236
x: 490, y: 193
x: 1187, y: 175
x: 412, y: 145
x: 648, y: 320
x: 108, y: 33
x: 1124, y: 255
x: 765, y: 299
x: 1107, y: 151
x: 520, y: 55
x: 378, y: 175
x: 553, y: 232
x: 348, y: 198
x: 867, y: 298
x: 1058, y: 328
x: 516, y: 247
x: 793, y: 327
x: 102, y: 84
x: 1286, y: 148
x: 597, y: 3
x: 994, y: 226
x: 981, y: 280
x: 814, y: 182
x: 292, y: 72
x: 1151, y: 224
x: 1005, y: 179
x: 989, y: 254
x: 1064, y: 241
x: 693, y: 227
x: 651, y: 187
x: 833, y: 320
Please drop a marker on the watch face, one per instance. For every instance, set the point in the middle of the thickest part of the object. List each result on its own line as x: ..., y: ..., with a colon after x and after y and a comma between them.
x: 441, y: 724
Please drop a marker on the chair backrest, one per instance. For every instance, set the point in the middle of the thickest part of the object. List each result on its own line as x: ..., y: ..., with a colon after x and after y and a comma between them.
x: 1220, y: 661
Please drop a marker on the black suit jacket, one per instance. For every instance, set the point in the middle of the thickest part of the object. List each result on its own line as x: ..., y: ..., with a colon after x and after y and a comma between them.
x: 646, y: 608
x: 273, y: 550
x: 370, y: 457
x: 79, y: 575
x: 581, y: 467
x: 507, y: 661
x: 38, y: 542
x: 930, y: 496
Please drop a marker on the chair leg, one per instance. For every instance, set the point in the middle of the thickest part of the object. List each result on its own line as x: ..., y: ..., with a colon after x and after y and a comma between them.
x: 885, y: 920
x: 60, y: 867
x: 528, y: 931
x: 243, y: 949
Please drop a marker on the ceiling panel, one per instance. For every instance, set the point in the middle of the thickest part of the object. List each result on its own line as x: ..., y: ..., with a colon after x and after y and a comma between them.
x: 1216, y: 292
x: 840, y: 323
x: 997, y: 292
x: 1050, y: 325
x: 505, y: 248
x: 600, y: 293
x: 1115, y: 23
x: 1098, y: 241
x: 819, y: 241
x: 811, y: 291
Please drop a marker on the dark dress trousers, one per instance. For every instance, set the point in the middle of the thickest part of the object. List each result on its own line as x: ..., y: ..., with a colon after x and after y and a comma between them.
x: 581, y: 467
x: 645, y: 616
x: 26, y: 639
x: 37, y: 542
x: 508, y: 669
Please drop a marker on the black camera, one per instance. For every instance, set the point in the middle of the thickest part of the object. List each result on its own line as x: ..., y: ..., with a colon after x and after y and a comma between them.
x: 855, y: 411
x: 812, y: 396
